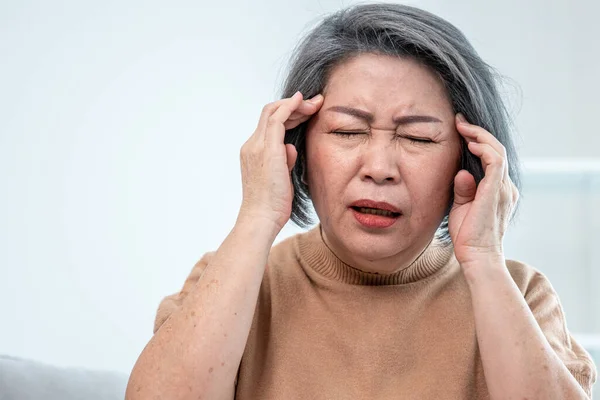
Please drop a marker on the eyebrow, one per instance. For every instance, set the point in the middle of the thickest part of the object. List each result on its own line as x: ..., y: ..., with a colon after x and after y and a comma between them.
x: 404, y: 120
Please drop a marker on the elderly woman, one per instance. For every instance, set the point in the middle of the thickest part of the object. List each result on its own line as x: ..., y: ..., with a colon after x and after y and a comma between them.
x: 402, y: 290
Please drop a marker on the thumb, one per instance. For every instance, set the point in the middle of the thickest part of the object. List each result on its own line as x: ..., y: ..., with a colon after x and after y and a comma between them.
x: 291, y: 155
x: 464, y: 188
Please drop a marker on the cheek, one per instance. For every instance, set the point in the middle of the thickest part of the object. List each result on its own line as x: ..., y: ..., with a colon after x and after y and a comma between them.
x: 324, y: 173
x: 323, y: 156
x: 327, y: 177
x: 431, y: 182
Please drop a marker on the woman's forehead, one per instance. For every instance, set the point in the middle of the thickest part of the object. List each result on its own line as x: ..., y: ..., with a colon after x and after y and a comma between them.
x: 382, y: 69
x: 381, y: 83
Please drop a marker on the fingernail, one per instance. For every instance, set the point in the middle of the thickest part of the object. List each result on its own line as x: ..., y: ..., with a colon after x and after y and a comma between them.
x: 461, y: 118
x: 296, y: 94
x: 316, y: 99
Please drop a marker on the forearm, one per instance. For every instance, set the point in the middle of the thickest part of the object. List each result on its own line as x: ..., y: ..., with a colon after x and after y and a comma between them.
x: 197, y: 351
x: 517, y: 359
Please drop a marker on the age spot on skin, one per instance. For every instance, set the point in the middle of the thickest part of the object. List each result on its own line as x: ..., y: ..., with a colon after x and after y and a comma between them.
x: 210, y: 370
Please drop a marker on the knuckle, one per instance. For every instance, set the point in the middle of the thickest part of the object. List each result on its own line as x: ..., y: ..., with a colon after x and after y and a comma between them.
x: 516, y: 194
x: 269, y: 108
x: 272, y: 120
x: 506, y: 197
x: 503, y: 150
x: 245, y: 149
x: 500, y: 160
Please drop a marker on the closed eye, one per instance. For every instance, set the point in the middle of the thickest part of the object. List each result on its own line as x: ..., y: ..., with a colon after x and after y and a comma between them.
x: 410, y: 138
x: 419, y: 140
x: 348, y: 133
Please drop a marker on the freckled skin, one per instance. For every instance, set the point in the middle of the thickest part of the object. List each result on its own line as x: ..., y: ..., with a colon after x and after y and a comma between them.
x: 381, y: 163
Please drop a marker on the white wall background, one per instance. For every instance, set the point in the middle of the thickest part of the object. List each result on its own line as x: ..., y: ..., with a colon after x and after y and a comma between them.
x: 120, y: 129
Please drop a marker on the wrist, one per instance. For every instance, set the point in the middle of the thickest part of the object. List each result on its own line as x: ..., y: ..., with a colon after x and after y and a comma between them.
x: 485, y: 269
x: 257, y: 224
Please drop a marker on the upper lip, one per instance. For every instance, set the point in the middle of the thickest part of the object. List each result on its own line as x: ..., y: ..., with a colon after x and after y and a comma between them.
x: 382, y: 205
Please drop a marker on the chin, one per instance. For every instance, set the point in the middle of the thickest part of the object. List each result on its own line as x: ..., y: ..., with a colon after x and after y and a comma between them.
x: 361, y: 244
x: 373, y: 247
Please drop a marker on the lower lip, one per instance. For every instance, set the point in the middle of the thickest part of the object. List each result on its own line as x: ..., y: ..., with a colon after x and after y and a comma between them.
x: 374, y: 221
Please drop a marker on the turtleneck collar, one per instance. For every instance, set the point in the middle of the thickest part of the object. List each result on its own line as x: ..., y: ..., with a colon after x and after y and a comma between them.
x: 315, y: 254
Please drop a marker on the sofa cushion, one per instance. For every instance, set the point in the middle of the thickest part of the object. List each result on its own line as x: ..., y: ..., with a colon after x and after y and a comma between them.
x: 22, y: 379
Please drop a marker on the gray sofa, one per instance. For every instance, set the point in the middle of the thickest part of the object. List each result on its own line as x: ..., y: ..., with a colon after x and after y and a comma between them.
x: 31, y: 380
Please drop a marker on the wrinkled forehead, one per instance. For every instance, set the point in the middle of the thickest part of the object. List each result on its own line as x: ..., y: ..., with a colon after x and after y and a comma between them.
x: 386, y: 84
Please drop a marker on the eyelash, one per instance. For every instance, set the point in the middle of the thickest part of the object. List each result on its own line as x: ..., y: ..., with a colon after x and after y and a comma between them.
x: 347, y: 134
x: 412, y: 139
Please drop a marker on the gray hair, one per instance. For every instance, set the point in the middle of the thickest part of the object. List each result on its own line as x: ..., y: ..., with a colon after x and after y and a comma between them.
x: 399, y: 31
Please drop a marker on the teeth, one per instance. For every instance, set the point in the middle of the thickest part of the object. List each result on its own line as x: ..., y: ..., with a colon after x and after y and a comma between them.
x: 375, y: 211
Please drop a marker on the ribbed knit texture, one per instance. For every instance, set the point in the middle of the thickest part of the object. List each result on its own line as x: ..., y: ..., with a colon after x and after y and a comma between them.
x: 325, y: 330
x: 317, y: 256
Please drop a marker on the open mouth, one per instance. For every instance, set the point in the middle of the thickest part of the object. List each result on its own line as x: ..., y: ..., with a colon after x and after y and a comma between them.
x: 376, y: 211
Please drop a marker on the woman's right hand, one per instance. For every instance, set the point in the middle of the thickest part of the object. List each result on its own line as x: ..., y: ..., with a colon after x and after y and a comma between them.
x: 267, y: 162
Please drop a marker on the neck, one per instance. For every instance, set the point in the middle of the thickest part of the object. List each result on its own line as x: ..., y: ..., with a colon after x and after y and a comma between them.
x: 317, y: 256
x: 385, y: 265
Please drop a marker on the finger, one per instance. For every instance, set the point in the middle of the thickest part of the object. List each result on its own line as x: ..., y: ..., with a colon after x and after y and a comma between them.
x: 275, y: 129
x: 289, y: 124
x: 474, y: 133
x: 493, y: 163
x: 494, y: 167
x: 292, y: 155
x: 307, y: 109
x: 270, y: 109
x: 479, y: 134
x: 515, y: 193
x: 465, y: 188
x: 292, y: 124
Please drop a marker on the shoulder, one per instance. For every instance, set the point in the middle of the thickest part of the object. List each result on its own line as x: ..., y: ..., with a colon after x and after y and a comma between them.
x: 542, y: 299
x: 540, y: 295
x: 546, y: 308
x: 528, y: 279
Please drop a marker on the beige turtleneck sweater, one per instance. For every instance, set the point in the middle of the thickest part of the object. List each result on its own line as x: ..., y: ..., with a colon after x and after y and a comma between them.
x: 325, y: 330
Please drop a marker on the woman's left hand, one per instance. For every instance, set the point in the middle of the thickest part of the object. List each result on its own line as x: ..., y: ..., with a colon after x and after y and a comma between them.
x: 481, y: 213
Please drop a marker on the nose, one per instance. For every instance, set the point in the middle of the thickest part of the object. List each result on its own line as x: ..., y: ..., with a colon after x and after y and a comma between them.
x: 380, y: 162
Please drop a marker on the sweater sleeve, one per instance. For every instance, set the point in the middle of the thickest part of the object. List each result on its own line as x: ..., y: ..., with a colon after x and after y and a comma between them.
x: 547, y: 310
x: 171, y: 303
